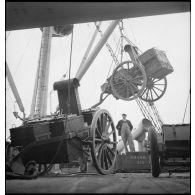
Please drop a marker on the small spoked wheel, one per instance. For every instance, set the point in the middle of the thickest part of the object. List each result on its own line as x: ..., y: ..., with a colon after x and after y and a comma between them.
x: 155, y: 89
x: 128, y: 80
x: 31, y: 169
x: 103, y: 142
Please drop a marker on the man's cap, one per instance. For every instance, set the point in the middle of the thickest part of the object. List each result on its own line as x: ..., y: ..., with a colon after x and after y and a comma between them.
x: 124, y: 114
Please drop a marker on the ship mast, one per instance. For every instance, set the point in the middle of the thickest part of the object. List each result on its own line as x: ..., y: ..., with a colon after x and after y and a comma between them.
x: 39, y: 100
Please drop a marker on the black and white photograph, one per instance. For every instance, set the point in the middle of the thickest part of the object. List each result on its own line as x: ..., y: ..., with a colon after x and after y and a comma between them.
x: 97, y: 97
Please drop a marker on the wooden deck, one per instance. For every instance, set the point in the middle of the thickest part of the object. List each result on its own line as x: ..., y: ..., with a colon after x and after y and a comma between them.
x: 114, y: 183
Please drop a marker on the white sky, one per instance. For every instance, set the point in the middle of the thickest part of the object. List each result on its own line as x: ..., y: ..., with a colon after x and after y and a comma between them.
x: 170, y: 33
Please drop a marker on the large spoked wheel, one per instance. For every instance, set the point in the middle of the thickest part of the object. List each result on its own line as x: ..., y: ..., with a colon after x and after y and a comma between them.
x: 8, y: 151
x: 155, y: 89
x: 103, y: 145
x: 8, y: 156
x: 44, y: 168
x: 128, y: 80
x: 154, y: 152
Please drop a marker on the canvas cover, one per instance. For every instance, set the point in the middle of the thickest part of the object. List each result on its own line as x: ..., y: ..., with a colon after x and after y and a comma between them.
x: 156, y: 63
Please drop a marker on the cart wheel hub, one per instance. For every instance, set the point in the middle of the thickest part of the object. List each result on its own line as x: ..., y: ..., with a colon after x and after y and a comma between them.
x: 150, y: 84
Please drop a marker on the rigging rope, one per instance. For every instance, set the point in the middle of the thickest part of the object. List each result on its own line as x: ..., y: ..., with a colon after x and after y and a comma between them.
x: 114, y: 38
x: 19, y: 62
x: 148, y: 110
x: 47, y: 168
x: 8, y: 34
x: 70, y: 65
x: 186, y: 107
x: 24, y: 51
x: 66, y: 117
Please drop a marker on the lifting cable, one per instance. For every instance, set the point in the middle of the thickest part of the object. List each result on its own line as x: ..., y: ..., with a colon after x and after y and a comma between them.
x: 156, y: 114
x: 121, y: 29
x: 115, y: 53
x: 114, y: 56
x: 108, y: 46
x: 133, y: 35
x: 148, y: 114
x: 114, y: 38
x: 148, y: 109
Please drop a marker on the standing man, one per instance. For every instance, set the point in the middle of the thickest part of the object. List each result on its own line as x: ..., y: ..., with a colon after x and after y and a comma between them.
x: 124, y: 128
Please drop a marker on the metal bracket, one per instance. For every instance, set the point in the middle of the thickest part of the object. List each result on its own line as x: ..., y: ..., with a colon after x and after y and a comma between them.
x: 101, y: 99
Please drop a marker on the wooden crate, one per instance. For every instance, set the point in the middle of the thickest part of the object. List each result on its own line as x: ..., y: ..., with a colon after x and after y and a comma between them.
x: 76, y: 123
x: 26, y: 134
x: 133, y: 162
x: 41, y: 131
x: 177, y: 140
x: 23, y: 135
x: 156, y: 63
x: 176, y: 132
